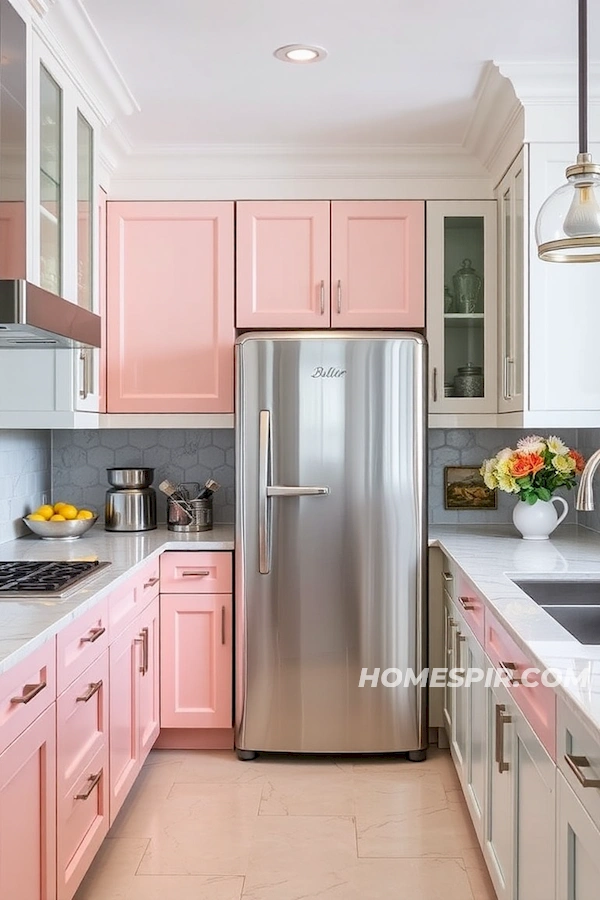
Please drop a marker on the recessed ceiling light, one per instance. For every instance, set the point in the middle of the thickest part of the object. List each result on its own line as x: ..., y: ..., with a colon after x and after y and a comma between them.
x: 300, y: 53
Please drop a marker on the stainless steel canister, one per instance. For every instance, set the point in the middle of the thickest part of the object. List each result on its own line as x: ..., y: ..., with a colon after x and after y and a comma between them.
x: 130, y: 510
x: 189, y: 515
x: 469, y: 381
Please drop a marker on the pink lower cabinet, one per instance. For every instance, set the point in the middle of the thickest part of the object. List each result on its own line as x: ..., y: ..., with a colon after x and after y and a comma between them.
x: 82, y: 774
x: 170, y: 332
x: 196, y: 660
x: 28, y: 813
x: 133, y: 702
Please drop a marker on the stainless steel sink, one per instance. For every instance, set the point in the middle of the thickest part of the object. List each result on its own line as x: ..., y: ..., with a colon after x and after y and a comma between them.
x: 574, y: 604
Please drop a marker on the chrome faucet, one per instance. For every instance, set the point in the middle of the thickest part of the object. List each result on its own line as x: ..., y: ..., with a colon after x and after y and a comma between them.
x: 585, y: 494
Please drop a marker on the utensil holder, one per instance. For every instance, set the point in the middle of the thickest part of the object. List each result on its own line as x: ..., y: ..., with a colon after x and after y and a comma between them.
x: 189, y: 515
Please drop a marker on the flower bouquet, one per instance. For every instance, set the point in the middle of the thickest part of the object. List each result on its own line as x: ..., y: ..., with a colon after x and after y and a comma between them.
x: 534, y: 471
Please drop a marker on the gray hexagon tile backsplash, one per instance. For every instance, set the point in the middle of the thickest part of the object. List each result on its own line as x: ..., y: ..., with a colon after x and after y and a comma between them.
x: 80, y: 460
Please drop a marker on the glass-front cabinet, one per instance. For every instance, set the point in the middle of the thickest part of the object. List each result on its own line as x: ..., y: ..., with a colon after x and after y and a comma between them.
x: 51, y: 187
x: 512, y: 228
x: 461, y: 306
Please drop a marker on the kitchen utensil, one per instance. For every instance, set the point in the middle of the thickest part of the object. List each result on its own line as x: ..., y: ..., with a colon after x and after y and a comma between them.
x: 178, y: 491
x: 467, y: 289
x: 130, y: 510
x: 130, y: 477
x: 211, y: 487
x: 69, y: 530
x: 469, y: 381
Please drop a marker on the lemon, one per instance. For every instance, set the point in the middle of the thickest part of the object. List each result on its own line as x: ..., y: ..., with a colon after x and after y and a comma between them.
x: 57, y: 518
x: 59, y: 505
x: 68, y: 511
x: 85, y: 514
x: 35, y: 517
x: 44, y: 511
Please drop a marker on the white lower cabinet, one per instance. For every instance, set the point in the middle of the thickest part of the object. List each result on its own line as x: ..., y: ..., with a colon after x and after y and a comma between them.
x: 578, y: 852
x: 498, y: 822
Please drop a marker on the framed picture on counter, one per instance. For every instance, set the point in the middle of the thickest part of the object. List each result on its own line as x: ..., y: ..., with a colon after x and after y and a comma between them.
x: 464, y: 488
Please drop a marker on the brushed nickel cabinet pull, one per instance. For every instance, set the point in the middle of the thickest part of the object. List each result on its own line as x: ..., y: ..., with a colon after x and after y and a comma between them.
x: 466, y: 603
x: 93, y: 636
x: 222, y: 624
x: 29, y: 692
x: 501, y: 720
x: 447, y: 576
x: 151, y: 582
x: 339, y: 296
x: 93, y: 689
x: 509, y: 669
x: 435, y: 392
x: 576, y: 764
x: 93, y: 780
x: 322, y: 295
x: 200, y: 573
x: 143, y: 640
x: 83, y: 391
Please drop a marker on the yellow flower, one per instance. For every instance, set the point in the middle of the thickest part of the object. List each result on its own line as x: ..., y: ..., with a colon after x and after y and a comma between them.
x: 489, y: 476
x: 556, y: 446
x: 564, y: 465
x: 505, y: 454
x: 504, y: 464
x: 507, y: 483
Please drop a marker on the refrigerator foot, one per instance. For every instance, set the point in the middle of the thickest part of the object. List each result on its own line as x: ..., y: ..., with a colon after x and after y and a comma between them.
x: 246, y: 754
x: 417, y: 755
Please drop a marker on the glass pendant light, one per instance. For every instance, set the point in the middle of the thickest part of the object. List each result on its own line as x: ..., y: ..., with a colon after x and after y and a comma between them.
x: 568, y: 224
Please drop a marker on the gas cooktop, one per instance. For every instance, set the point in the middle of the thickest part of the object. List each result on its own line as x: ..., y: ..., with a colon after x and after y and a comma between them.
x: 44, y: 579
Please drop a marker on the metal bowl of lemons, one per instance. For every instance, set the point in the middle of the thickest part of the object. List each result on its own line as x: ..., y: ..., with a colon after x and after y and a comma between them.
x: 60, y: 522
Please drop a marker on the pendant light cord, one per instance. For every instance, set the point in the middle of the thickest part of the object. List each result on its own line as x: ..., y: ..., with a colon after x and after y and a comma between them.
x: 583, y: 81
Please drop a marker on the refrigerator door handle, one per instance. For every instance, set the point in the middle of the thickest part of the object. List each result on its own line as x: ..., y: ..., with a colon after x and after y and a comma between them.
x: 280, y: 490
x: 264, y: 449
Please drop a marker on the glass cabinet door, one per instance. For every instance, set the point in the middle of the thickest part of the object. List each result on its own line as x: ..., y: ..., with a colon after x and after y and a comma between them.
x: 461, y: 306
x: 51, y: 199
x: 85, y: 200
x: 511, y: 194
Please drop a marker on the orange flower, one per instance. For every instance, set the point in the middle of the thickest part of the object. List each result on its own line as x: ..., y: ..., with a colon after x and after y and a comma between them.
x: 579, y: 460
x: 526, y: 464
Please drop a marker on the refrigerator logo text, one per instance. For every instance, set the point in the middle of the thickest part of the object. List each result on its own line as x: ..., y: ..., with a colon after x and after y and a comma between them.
x: 331, y: 372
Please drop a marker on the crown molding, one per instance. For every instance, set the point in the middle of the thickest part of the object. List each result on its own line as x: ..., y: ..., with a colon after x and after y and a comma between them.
x: 494, y: 133
x: 41, y: 6
x: 549, y: 83
x: 67, y: 30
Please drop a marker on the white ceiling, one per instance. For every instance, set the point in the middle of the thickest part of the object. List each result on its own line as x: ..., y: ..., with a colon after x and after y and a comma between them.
x: 398, y: 72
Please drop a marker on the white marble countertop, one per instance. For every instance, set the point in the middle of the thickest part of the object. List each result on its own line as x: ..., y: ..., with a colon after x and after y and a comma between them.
x: 492, y: 557
x: 26, y: 624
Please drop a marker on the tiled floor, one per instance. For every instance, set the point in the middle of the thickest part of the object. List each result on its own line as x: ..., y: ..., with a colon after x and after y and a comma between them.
x: 204, y: 826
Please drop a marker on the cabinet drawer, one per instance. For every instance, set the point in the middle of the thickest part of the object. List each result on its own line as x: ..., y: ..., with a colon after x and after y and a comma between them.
x: 82, y: 822
x: 80, y: 643
x: 471, y: 606
x: 537, y: 702
x: 195, y: 572
x: 131, y: 597
x: 26, y: 690
x: 82, y: 720
x: 578, y: 758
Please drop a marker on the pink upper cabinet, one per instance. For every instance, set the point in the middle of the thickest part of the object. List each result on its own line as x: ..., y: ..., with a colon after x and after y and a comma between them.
x: 378, y: 264
x: 170, y: 307
x: 283, y: 264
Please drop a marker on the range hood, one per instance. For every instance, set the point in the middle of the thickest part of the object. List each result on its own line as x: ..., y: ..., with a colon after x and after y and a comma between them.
x: 32, y: 317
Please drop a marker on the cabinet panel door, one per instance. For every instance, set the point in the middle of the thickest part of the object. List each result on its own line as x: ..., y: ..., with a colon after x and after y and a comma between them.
x: 535, y: 815
x: 170, y: 307
x: 475, y: 773
x: 125, y: 657
x: 578, y: 859
x: 196, y: 660
x: 378, y: 264
x: 283, y: 273
x: 28, y: 813
x: 460, y: 723
x: 499, y: 819
x: 149, y: 679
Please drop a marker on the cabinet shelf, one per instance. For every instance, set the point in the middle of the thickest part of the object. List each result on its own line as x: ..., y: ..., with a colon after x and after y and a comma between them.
x: 463, y: 320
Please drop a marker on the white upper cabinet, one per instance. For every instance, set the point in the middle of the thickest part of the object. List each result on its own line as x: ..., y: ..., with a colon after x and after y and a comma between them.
x: 461, y: 306
x: 511, y: 196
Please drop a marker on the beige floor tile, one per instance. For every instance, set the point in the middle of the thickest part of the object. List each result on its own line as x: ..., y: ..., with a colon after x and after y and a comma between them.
x: 481, y: 884
x: 116, y: 863
x: 438, y: 762
x: 382, y: 797
x: 200, y: 829
x: 218, y: 767
x: 412, y: 879
x: 431, y: 833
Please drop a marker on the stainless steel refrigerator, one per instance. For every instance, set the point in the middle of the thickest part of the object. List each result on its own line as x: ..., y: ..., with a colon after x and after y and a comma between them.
x: 330, y: 542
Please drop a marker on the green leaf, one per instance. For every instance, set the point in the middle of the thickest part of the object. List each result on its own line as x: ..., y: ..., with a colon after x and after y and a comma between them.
x: 544, y: 493
x: 531, y: 498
